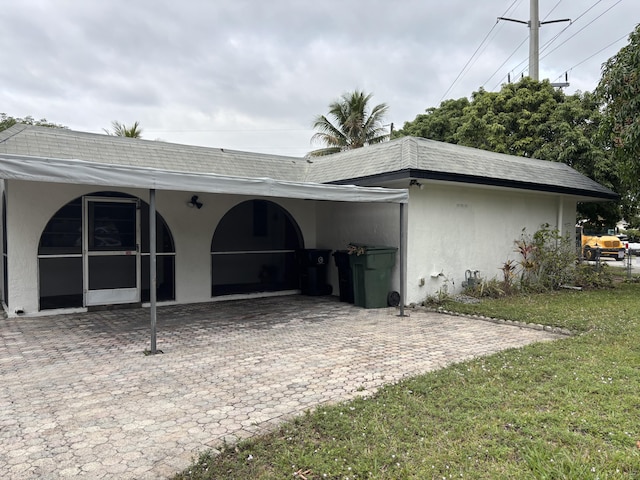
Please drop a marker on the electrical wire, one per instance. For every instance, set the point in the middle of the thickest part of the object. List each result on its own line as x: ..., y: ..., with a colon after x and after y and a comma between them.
x: 475, y: 52
x: 516, y: 50
x: 555, y: 37
x: 495, y: 34
x: 503, y: 64
x: 592, y: 55
x: 547, y: 44
x: 466, y: 64
x: 549, y: 53
x: 551, y: 11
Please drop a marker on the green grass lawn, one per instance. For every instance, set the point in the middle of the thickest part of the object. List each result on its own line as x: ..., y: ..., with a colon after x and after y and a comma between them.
x: 568, y: 409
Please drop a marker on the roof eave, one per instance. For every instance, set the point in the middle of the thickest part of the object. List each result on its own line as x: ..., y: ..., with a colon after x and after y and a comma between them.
x: 409, y: 173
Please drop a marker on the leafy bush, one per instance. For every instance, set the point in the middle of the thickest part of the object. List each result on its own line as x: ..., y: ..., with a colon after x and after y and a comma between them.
x: 547, y: 260
x: 593, y: 276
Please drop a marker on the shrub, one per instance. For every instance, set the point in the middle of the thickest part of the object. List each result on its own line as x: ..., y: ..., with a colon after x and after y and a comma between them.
x: 548, y: 259
x: 593, y: 276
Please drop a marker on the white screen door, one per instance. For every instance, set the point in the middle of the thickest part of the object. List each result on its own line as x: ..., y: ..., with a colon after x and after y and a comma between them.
x: 111, y: 251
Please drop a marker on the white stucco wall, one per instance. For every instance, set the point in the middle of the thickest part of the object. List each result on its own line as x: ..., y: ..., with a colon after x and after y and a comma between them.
x: 339, y: 224
x: 33, y: 204
x: 454, y: 228
x: 450, y: 229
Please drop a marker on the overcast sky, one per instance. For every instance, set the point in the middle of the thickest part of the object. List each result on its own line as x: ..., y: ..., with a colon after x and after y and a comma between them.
x: 252, y: 74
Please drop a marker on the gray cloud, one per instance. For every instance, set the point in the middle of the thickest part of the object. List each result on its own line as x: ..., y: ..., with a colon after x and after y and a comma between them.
x: 251, y: 75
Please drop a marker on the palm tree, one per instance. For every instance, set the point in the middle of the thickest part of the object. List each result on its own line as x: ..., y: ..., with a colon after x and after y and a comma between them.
x: 353, y: 126
x: 121, y: 130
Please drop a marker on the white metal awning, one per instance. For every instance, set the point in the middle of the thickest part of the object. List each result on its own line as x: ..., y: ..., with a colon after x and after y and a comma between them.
x: 81, y: 172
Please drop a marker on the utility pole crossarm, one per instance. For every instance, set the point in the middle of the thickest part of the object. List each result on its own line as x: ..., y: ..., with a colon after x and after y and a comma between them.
x: 513, y: 20
x: 534, y: 24
x: 556, y: 21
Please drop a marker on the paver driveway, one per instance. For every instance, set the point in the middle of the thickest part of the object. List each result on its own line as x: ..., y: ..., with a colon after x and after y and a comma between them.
x: 79, y: 398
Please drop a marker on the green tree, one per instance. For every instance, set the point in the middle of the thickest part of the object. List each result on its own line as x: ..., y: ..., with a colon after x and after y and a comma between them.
x: 353, y: 125
x: 619, y: 91
x: 7, y: 121
x: 530, y: 119
x: 439, y: 123
x: 121, y: 130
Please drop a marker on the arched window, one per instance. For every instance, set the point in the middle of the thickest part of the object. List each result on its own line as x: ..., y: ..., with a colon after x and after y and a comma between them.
x: 60, y: 259
x: 253, y: 250
x: 63, y: 264
x: 165, y: 257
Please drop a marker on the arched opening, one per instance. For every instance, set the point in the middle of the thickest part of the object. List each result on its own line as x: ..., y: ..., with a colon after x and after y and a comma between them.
x: 254, y: 250
x: 114, y: 228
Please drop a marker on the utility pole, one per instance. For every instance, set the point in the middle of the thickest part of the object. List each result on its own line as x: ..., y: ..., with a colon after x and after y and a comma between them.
x: 534, y: 40
x: 534, y: 24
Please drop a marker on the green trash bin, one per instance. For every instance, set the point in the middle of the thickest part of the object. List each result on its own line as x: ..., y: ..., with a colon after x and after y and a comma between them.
x: 372, y: 275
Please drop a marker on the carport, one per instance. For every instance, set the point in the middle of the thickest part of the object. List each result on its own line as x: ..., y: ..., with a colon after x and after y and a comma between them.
x: 79, y: 398
x: 52, y: 170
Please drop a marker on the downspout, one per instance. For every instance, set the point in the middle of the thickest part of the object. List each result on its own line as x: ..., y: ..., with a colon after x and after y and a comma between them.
x: 559, y: 218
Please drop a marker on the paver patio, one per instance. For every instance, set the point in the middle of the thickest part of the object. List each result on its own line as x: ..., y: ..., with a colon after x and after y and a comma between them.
x: 80, y: 400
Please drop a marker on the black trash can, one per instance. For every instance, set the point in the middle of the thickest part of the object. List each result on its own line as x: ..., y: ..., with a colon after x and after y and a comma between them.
x: 345, y: 275
x: 313, y: 271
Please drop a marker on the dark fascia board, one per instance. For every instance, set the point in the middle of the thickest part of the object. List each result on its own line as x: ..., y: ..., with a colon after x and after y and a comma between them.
x: 410, y: 173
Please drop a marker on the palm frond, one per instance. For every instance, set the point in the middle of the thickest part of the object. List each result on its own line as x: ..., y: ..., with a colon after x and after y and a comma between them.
x: 349, y: 124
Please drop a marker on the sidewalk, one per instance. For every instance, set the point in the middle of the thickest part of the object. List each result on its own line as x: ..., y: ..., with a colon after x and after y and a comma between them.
x: 80, y: 400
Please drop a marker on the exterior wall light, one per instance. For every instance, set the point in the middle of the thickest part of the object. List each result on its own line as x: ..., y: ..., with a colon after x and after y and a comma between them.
x: 194, y: 202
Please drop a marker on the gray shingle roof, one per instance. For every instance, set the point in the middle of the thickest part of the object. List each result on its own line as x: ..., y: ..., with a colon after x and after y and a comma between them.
x: 411, y: 157
x: 68, y: 144
x: 404, y: 158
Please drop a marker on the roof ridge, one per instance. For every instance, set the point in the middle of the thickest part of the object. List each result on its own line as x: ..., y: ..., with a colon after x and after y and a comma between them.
x: 160, y: 143
x: 410, y: 149
x: 17, y: 127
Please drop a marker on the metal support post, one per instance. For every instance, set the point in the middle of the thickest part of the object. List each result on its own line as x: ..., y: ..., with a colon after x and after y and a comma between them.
x: 402, y: 255
x: 152, y: 267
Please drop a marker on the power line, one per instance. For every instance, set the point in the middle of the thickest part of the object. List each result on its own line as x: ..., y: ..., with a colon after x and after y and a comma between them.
x: 520, y: 45
x: 466, y: 64
x: 475, y: 52
x: 549, y: 53
x: 546, y: 45
x: 494, y: 35
x: 534, y: 25
x: 503, y: 64
x: 551, y: 11
x: 555, y: 37
x: 593, y: 55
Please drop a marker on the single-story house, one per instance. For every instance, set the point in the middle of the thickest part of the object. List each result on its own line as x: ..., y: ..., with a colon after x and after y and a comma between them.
x: 78, y: 225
